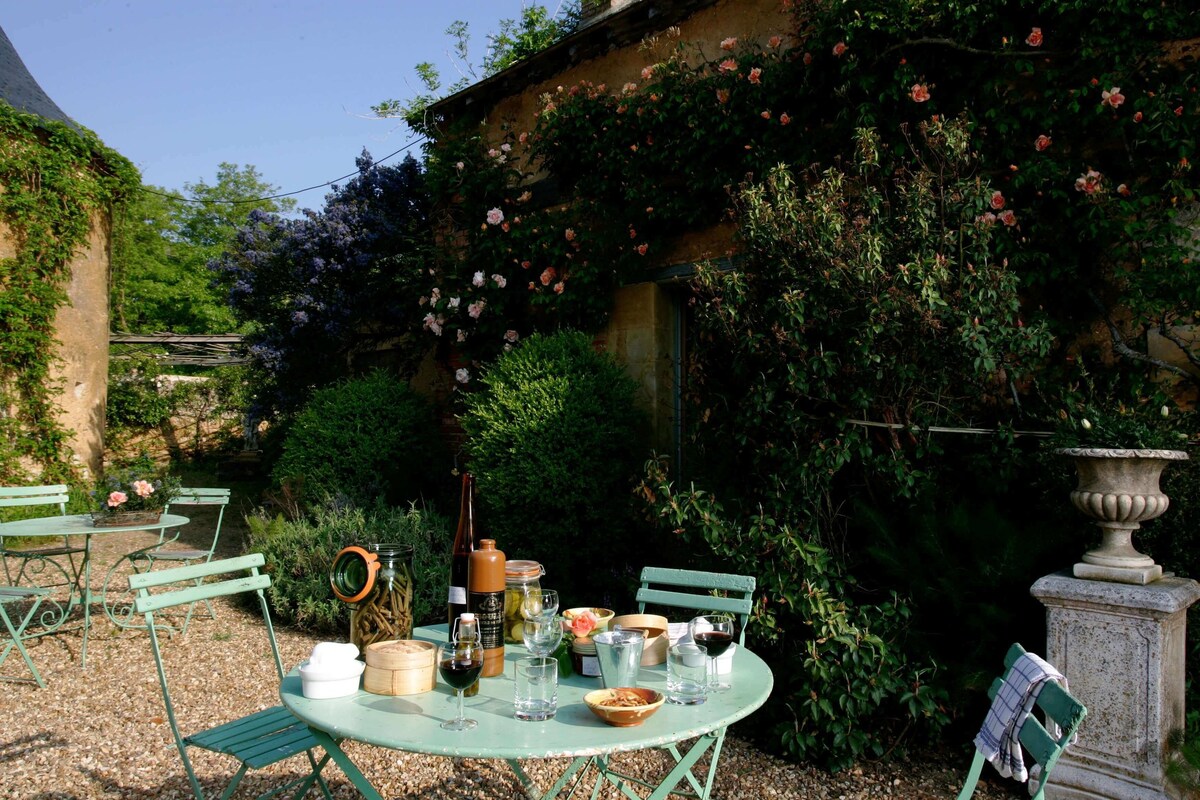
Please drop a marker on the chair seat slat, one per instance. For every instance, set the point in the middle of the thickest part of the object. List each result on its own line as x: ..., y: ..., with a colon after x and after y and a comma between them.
x: 21, y: 592
x: 243, y: 729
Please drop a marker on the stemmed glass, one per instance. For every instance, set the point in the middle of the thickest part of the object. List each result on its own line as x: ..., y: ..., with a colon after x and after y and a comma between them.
x: 713, y: 632
x: 459, y: 664
x: 542, y: 634
x: 539, y: 603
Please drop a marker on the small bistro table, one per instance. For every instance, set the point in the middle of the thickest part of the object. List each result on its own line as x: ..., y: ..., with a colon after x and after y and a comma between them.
x: 411, y: 723
x: 81, y: 592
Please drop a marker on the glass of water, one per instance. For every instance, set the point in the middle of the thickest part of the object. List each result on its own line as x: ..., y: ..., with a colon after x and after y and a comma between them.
x: 535, y: 693
x: 687, y: 674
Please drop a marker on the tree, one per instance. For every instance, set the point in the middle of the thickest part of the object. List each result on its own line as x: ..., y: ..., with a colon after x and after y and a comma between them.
x: 161, y: 248
x: 320, y: 289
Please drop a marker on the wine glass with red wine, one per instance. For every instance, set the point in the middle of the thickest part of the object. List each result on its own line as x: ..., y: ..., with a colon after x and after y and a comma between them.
x: 459, y: 664
x: 714, y: 632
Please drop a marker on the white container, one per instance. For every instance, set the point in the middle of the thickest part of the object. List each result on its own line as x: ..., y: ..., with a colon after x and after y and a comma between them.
x: 335, y: 678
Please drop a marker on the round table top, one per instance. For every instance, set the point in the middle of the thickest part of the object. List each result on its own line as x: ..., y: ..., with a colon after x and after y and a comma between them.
x: 411, y: 722
x: 81, y: 524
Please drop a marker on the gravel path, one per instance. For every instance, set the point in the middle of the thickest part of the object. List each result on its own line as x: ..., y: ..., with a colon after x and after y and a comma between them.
x: 101, y: 732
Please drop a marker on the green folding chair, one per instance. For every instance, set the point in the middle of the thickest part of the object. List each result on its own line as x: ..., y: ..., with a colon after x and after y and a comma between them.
x: 702, y: 593
x: 1056, y: 704
x: 192, y: 497
x: 13, y: 596
x: 257, y: 740
x: 35, y: 560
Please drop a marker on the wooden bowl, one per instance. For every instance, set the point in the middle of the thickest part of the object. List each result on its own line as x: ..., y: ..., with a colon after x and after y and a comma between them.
x: 654, y: 651
x: 624, y: 716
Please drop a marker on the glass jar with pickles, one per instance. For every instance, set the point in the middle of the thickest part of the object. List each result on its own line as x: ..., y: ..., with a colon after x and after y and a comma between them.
x: 522, y: 597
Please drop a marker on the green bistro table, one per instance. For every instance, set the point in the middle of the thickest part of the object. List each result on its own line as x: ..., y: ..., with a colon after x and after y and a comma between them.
x: 81, y: 592
x: 411, y: 723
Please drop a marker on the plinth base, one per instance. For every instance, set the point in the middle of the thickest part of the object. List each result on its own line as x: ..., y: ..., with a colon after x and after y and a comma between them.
x: 1122, y: 647
x: 1137, y: 576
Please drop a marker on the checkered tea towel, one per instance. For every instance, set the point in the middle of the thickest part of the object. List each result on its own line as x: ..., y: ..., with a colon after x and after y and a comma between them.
x: 999, y: 739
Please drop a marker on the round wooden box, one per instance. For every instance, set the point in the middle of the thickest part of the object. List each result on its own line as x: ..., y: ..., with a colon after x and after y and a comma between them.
x: 400, y: 666
x: 654, y: 651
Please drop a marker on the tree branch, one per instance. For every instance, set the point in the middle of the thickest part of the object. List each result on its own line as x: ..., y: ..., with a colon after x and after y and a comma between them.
x: 1177, y: 340
x: 1121, y: 348
x: 953, y: 45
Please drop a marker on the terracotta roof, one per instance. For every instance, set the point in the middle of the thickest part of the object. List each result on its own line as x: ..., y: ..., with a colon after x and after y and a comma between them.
x: 19, y: 89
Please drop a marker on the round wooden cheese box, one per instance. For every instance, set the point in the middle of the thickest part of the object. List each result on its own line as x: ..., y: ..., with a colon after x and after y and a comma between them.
x: 400, y: 666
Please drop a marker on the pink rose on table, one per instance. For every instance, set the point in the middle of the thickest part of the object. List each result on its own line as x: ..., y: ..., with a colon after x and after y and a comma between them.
x: 117, y: 498
x: 143, y: 488
x: 584, y: 624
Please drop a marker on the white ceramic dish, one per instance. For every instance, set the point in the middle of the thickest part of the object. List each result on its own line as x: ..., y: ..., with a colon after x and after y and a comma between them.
x: 335, y: 679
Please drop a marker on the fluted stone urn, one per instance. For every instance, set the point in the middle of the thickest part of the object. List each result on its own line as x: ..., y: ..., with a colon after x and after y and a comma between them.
x: 1119, y: 489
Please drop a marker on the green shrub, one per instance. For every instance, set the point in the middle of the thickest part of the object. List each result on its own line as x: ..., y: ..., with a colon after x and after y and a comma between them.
x: 553, y: 439
x: 364, y: 439
x: 134, y: 398
x: 299, y: 554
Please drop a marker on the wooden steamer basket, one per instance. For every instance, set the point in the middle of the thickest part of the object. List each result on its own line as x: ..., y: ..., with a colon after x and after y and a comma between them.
x: 654, y: 651
x: 400, y: 666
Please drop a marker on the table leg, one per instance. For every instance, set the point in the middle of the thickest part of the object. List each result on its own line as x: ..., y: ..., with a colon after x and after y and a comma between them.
x: 86, y: 597
x: 330, y: 746
x: 531, y: 790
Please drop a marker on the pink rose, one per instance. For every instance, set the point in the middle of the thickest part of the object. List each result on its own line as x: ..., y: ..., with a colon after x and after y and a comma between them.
x: 477, y: 279
x: 500, y: 280
x: 987, y: 218
x: 729, y: 44
x: 495, y: 216
x: 117, y: 498
x: 1042, y: 142
x: 722, y: 96
x: 1089, y: 183
x: 511, y: 336
x: 920, y: 93
x: 570, y: 234
x: 642, y: 248
x: 647, y: 73
x: 462, y: 375
x: 997, y: 201
x: 755, y: 75
x: 1007, y: 217
x: 785, y: 118
x: 728, y: 65
x: 1137, y: 117
x: 1034, y: 39
x: 142, y: 488
x: 807, y: 59
x: 1113, y: 97
x: 1123, y: 190
x: 839, y: 49
x: 476, y: 308
x: 547, y: 276
x: 558, y: 287
x: 765, y: 114
x: 584, y: 624
x: 774, y: 42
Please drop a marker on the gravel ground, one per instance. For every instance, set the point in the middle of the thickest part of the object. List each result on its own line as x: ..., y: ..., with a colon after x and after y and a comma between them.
x: 101, y: 732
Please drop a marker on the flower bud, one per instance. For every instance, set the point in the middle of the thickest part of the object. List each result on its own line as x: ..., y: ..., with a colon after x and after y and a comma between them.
x: 1086, y: 425
x: 1166, y: 412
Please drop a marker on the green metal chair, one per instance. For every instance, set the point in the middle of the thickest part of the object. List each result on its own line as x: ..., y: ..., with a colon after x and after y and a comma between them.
x: 32, y: 596
x: 257, y: 740
x: 702, y: 593
x: 35, y: 560
x: 191, y: 497
x: 1056, y: 704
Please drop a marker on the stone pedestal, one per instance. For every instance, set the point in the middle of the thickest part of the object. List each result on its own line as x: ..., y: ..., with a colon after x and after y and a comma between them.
x: 1123, y: 652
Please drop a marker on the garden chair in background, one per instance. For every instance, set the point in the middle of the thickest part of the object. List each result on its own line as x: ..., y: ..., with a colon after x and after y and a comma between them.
x: 35, y: 560
x: 257, y: 740
x: 1055, y: 703
x: 30, y: 597
x: 191, y: 497
x: 701, y: 593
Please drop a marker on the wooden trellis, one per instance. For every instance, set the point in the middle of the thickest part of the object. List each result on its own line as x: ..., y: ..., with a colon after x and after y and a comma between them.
x: 201, y: 350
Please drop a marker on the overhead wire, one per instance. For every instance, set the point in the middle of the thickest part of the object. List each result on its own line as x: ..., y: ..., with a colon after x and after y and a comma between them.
x: 331, y: 182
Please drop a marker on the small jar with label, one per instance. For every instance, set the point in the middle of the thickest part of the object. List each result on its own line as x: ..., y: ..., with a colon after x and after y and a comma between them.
x: 522, y: 597
x: 583, y: 657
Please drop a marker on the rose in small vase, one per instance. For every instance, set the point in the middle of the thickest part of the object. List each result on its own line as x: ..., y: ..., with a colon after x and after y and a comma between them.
x: 125, y: 494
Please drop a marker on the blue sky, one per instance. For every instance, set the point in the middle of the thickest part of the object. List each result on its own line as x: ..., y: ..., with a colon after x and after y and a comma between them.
x: 178, y: 86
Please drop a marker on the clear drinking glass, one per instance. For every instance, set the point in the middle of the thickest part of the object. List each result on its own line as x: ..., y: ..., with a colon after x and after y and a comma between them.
x: 459, y: 664
x: 687, y: 674
x: 713, y: 632
x: 542, y: 635
x: 535, y: 688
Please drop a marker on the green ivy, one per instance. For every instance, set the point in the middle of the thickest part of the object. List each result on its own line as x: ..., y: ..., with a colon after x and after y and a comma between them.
x: 53, y: 180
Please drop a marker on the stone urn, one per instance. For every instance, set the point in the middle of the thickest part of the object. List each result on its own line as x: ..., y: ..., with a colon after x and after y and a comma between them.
x: 1119, y: 489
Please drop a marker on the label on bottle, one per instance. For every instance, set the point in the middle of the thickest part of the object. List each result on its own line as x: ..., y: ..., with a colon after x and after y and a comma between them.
x: 489, y: 613
x: 589, y: 666
x: 458, y: 595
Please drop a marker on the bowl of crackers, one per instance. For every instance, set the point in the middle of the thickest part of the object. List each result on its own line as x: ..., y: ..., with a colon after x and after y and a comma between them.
x: 624, y: 706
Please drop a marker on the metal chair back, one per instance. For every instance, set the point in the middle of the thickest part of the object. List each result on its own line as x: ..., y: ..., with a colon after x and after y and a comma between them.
x: 1056, y: 704
x: 257, y: 740
x: 703, y: 592
x: 26, y: 496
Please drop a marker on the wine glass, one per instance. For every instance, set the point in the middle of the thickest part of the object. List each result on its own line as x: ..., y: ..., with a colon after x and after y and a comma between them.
x: 713, y: 632
x: 459, y: 664
x: 539, y: 603
x: 542, y: 634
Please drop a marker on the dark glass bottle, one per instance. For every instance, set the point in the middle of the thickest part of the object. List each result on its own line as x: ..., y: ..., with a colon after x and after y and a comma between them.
x: 466, y: 539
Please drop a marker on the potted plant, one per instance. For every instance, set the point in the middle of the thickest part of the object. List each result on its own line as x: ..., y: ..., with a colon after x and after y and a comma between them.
x: 132, y: 497
x: 1119, y: 457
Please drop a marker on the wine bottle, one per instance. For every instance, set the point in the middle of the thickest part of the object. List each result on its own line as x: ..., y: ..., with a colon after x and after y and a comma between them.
x: 485, y: 595
x: 465, y: 540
